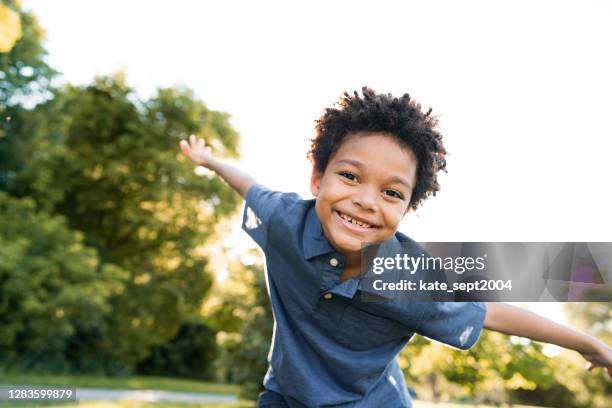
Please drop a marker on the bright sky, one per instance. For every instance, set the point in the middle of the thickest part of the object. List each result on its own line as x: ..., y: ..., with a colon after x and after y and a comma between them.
x: 522, y: 89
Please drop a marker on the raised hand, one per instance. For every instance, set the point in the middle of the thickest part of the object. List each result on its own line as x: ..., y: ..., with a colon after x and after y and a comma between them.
x: 601, y: 356
x: 200, y: 154
x: 197, y: 151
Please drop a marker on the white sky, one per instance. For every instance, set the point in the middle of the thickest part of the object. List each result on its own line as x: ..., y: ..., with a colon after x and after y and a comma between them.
x: 522, y: 89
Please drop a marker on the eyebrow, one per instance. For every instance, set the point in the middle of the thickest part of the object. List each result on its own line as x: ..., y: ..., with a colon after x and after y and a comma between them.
x: 392, y: 179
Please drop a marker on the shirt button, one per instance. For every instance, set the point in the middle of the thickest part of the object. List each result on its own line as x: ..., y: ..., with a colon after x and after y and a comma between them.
x: 333, y: 262
x: 327, y: 296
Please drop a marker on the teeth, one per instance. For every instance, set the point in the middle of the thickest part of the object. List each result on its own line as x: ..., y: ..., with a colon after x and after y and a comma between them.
x: 354, y: 221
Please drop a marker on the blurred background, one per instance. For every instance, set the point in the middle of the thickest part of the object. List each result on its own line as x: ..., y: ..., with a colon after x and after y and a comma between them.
x: 120, y: 260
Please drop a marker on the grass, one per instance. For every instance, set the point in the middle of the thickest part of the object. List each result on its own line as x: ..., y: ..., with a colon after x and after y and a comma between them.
x: 131, y: 383
x: 129, y: 404
x: 240, y: 404
x: 148, y: 383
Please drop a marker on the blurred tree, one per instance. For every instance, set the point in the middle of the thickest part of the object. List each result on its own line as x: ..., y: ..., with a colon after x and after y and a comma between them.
x: 241, y: 310
x: 589, y: 389
x: 10, y: 28
x: 23, y: 72
x: 489, y: 372
x: 573, y: 386
x: 25, y: 79
x: 51, y: 286
x: 110, y: 164
x: 592, y: 317
x: 190, y: 354
x: 509, y: 369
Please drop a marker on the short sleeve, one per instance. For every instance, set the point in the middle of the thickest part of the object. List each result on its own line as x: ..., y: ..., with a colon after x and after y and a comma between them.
x: 262, y: 208
x: 457, y: 324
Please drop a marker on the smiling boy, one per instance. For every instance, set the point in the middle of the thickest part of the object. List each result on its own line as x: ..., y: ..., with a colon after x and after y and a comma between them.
x: 375, y: 158
x: 363, y: 194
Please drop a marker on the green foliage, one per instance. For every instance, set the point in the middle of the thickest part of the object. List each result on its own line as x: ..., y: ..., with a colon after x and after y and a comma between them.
x: 594, y: 317
x: 494, y: 366
x: 51, y: 285
x: 24, y: 75
x: 189, y: 354
x: 110, y: 165
x: 245, y: 315
x: 589, y: 389
x: 506, y: 369
x: 95, y: 171
x: 25, y: 79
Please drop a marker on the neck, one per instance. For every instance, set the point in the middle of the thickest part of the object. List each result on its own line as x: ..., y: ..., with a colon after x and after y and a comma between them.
x: 352, y: 267
x: 353, y: 260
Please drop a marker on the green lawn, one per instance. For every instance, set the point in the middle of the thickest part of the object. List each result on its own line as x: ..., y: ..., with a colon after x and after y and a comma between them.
x: 244, y: 404
x: 132, y: 383
x: 150, y: 383
x: 129, y: 404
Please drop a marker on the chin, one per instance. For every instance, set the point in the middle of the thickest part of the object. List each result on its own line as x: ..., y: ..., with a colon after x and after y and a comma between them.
x: 349, y: 245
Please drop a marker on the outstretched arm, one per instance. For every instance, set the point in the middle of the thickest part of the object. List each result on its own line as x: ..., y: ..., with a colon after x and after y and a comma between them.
x: 518, y: 322
x: 201, y: 155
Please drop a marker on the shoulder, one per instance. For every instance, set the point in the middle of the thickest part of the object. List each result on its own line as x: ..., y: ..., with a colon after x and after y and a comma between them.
x: 268, y: 203
x: 409, y: 244
x: 274, y: 215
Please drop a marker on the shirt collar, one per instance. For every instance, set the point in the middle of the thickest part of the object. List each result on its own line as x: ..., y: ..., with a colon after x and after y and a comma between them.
x: 314, y: 243
x: 385, y: 249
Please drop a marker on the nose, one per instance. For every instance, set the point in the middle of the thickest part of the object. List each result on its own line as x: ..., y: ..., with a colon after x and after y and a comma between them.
x: 366, y: 199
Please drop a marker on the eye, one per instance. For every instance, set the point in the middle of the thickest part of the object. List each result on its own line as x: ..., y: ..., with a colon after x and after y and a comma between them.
x: 394, y: 194
x: 349, y: 176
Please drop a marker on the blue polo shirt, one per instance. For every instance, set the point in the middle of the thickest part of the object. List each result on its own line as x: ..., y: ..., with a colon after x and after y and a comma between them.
x: 329, y: 346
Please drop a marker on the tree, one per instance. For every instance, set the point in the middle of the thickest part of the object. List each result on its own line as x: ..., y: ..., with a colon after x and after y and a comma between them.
x: 50, y: 286
x: 25, y: 79
x: 23, y: 72
x: 494, y: 366
x: 110, y: 165
x: 242, y: 313
x: 509, y: 369
x: 190, y: 354
x: 590, y: 389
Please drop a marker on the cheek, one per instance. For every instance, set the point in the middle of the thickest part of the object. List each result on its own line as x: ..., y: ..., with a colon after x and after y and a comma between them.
x: 332, y: 192
x: 393, y: 217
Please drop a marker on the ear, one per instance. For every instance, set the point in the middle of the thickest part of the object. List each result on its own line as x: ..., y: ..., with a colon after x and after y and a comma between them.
x: 315, y: 182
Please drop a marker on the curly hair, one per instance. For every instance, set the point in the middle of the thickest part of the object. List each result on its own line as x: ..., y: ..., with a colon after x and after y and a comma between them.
x: 401, y: 118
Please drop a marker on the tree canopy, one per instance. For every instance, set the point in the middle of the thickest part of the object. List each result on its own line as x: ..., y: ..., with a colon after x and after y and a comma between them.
x: 96, y: 170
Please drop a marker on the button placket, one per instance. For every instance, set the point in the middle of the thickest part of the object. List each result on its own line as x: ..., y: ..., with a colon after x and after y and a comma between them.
x: 330, y: 274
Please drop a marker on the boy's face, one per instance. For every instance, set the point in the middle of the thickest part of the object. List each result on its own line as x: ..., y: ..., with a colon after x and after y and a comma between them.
x: 365, y: 190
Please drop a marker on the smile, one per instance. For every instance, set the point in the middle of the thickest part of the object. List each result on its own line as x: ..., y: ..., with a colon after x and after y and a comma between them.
x: 353, y: 223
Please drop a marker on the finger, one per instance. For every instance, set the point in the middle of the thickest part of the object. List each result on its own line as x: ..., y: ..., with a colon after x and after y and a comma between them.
x: 184, y: 147
x: 201, y: 143
x: 192, y: 141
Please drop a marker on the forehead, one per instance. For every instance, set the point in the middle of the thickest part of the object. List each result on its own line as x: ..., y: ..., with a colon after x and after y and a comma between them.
x: 377, y: 152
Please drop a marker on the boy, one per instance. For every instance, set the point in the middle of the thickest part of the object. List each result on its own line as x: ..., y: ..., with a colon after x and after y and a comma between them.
x: 374, y: 158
